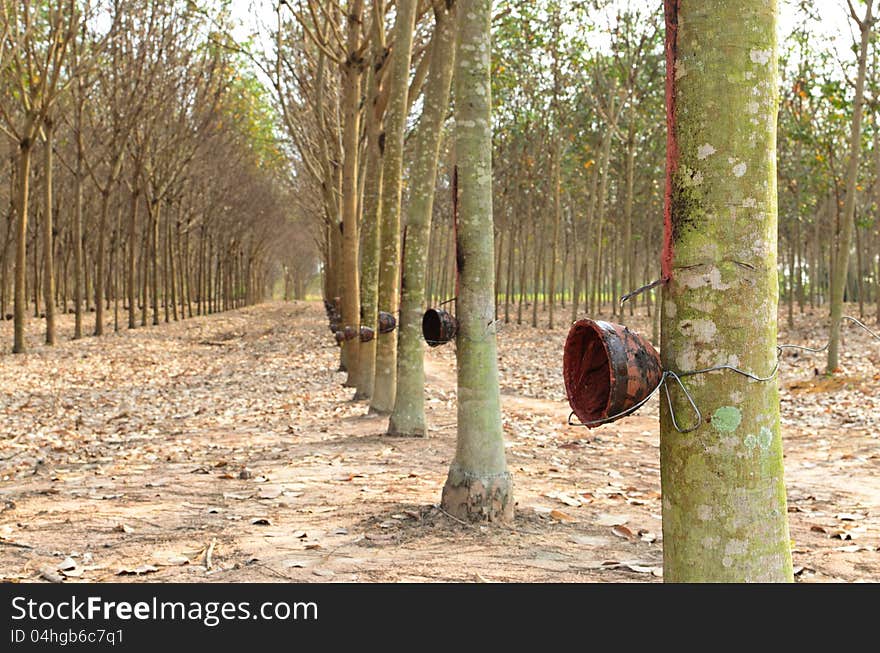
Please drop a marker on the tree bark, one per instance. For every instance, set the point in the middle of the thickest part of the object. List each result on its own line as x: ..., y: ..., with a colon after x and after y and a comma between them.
x: 132, y: 243
x: 48, y: 246
x: 21, y: 206
x: 841, y: 262
x: 478, y: 487
x: 385, y: 377
x: 557, y: 218
x: 77, y: 229
x: 408, y: 417
x: 352, y: 72
x: 100, y: 273
x: 371, y: 230
x: 724, y: 508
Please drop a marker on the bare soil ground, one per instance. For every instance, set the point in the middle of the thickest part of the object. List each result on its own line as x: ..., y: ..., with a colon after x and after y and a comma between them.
x: 224, y: 449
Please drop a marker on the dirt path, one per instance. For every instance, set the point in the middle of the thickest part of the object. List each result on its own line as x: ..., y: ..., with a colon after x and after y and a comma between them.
x: 224, y: 449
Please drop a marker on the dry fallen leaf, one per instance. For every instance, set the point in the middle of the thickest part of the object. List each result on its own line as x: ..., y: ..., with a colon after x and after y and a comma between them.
x: 644, y: 569
x: 50, y: 575
x: 558, y: 515
x: 853, y: 548
x: 565, y: 498
x: 623, y: 531
x: 326, y: 573
x: 137, y: 571
x: 269, y: 492
x: 611, y: 520
x: 261, y: 521
x: 67, y: 564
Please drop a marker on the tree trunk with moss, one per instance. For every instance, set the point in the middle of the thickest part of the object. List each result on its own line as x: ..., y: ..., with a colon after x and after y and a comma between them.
x: 478, y: 487
x: 724, y: 507
x: 370, y: 221
x: 408, y: 417
x: 844, y: 238
x: 385, y: 377
x: 352, y: 72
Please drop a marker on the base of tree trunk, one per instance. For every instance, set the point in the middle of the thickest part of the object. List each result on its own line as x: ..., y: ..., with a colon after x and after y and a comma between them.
x: 375, y: 411
x: 478, y: 498
x: 360, y: 395
x: 408, y: 431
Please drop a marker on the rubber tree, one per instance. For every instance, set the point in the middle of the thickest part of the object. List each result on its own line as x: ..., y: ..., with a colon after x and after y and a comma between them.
x: 372, y: 202
x: 478, y: 487
x: 724, y: 506
x: 844, y: 239
x: 408, y: 417
x: 352, y: 74
x: 48, y: 239
x: 385, y: 376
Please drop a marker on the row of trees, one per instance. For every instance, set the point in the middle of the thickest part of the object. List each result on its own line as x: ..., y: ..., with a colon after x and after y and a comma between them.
x: 347, y: 79
x: 141, y: 170
x: 567, y: 204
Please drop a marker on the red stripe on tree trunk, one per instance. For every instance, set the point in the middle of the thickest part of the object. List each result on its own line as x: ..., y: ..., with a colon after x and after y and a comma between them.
x: 671, y: 13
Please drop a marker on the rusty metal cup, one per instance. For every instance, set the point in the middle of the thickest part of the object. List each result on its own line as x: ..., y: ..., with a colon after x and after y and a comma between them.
x: 607, y: 369
x: 367, y: 334
x: 387, y: 322
x: 438, y: 327
x: 346, y: 333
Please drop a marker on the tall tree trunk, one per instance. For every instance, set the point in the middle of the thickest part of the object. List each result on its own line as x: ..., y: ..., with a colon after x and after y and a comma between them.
x: 629, y: 255
x: 185, y: 272
x: 478, y: 486
x: 524, y: 260
x: 48, y: 245
x: 352, y: 72
x: 102, y: 255
x: 385, y: 377
x: 599, y: 222
x: 79, y: 176
x: 35, y: 248
x: 408, y: 417
x: 155, y: 210
x: 115, y: 267
x: 371, y: 228
x: 172, y: 268
x: 132, y: 248
x: 145, y: 267
x: 508, y: 289
x: 21, y: 206
x: 539, y: 260
x: 841, y: 263
x: 557, y: 218
x: 724, y: 509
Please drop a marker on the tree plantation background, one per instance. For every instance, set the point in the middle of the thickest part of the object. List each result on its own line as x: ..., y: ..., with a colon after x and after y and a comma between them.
x: 191, y: 193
